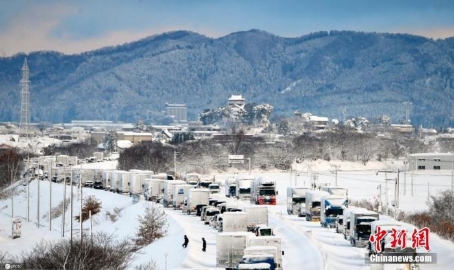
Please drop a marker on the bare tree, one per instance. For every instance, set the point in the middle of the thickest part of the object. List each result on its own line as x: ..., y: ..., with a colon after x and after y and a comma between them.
x: 152, y: 226
x: 11, y: 163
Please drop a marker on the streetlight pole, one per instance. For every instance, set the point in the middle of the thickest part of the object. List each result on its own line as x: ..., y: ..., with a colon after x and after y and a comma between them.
x: 175, y: 164
x: 50, y: 196
x: 39, y: 169
x: 71, y: 210
x: 64, y: 204
x: 249, y: 159
x: 336, y: 168
x: 80, y: 213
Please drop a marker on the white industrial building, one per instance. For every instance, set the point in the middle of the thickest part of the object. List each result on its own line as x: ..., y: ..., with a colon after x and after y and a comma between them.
x: 431, y: 161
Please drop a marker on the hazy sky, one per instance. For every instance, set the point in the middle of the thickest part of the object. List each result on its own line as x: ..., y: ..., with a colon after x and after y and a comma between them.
x: 82, y: 25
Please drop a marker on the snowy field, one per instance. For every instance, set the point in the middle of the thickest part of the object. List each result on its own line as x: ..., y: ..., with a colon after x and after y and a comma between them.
x: 306, y: 244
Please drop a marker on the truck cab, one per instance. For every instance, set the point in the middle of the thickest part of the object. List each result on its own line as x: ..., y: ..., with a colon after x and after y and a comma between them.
x: 360, y: 226
x: 214, y: 188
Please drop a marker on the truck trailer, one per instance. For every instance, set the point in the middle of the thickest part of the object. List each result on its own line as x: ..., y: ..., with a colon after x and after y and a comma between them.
x: 313, y: 202
x: 197, y: 197
x: 230, y: 248
x: 234, y: 222
x: 263, y: 191
x: 296, y: 200
x: 360, y: 226
x: 243, y: 187
x: 256, y: 215
x: 331, y: 207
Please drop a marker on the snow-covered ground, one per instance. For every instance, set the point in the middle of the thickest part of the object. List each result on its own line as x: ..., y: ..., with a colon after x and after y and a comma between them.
x: 306, y: 244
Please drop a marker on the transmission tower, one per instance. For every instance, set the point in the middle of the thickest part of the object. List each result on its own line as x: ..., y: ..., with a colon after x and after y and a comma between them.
x: 344, y: 112
x: 407, y: 112
x: 25, y: 101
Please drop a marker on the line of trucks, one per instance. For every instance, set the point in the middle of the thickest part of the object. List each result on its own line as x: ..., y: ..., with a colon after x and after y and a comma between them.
x: 256, y: 189
x: 329, y: 205
x: 247, y: 241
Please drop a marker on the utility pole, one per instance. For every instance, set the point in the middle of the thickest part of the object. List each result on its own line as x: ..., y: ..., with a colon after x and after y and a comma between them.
x: 64, y: 204
x: 249, y: 159
x: 405, y: 177
x: 452, y: 172
x: 39, y: 169
x: 175, y: 153
x: 50, y: 199
x: 396, y: 188
x: 428, y: 187
x: 80, y: 213
x: 379, y: 201
x: 336, y: 168
x: 71, y: 210
x: 28, y: 192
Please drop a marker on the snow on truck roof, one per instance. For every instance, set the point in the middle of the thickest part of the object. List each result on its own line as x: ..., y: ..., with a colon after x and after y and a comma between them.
x: 254, y: 266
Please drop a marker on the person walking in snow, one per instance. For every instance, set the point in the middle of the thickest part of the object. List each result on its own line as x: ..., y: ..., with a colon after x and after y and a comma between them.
x: 186, y: 242
x: 204, y: 244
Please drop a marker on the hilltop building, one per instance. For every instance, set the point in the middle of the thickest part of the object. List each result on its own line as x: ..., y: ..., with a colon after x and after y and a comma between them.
x: 178, y: 112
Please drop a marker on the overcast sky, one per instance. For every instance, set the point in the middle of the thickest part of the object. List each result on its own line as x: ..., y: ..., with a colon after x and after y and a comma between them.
x: 82, y: 25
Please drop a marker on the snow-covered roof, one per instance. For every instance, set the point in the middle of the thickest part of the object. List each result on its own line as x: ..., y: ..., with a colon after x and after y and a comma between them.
x: 236, y: 98
x: 124, y: 143
x: 431, y: 155
x: 318, y: 118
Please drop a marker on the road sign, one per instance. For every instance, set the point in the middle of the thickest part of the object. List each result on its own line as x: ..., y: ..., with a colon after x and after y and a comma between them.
x: 236, y: 159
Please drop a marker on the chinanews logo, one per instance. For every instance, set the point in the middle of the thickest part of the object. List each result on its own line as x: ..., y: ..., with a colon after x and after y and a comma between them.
x: 419, y: 238
x: 398, y: 250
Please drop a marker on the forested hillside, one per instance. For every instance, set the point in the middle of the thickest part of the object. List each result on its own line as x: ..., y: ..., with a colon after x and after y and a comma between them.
x: 368, y: 74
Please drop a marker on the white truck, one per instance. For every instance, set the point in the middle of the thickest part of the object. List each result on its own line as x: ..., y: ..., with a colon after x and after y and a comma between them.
x: 273, y: 241
x: 180, y: 193
x: 214, y: 188
x: 197, y: 197
x: 260, y: 254
x: 385, y: 243
x: 135, y: 183
x: 230, y: 187
x: 313, y: 201
x: 243, y: 187
x: 115, y: 183
x: 192, y: 178
x: 256, y: 215
x: 153, y: 189
x: 360, y: 226
x: 99, y: 156
x: 331, y: 207
x: 205, y: 181
x: 167, y: 198
x: 125, y: 185
x: 296, y: 201
x: 344, y: 228
x: 263, y: 191
x: 230, y: 247
x: 234, y: 222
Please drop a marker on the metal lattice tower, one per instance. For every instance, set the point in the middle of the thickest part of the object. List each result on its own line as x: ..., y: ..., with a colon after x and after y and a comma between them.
x: 407, y: 112
x: 25, y: 101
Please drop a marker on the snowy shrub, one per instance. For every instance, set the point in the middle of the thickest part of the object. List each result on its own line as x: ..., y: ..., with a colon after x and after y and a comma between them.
x: 364, y: 203
x: 90, y: 204
x: 151, y: 265
x: 103, y: 252
x: 420, y: 220
x: 114, y: 216
x: 442, y: 206
x: 152, y: 226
